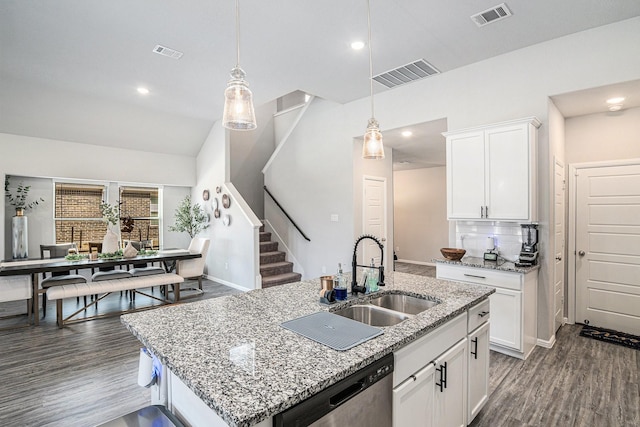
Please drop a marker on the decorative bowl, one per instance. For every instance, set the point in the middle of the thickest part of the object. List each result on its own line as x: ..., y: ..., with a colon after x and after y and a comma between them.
x: 452, y: 254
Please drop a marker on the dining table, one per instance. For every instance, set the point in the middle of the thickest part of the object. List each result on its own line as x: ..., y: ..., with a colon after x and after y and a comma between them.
x: 34, y: 267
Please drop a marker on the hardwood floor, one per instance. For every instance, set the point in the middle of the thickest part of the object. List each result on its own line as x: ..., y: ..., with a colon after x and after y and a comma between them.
x: 579, y: 382
x: 417, y: 269
x: 86, y: 374
x: 82, y: 375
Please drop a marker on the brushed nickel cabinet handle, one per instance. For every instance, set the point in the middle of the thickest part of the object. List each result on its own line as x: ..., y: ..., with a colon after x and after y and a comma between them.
x: 472, y: 275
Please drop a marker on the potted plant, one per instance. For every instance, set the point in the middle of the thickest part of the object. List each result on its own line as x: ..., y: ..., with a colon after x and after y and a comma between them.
x: 19, y: 199
x: 189, y: 218
x: 110, y: 215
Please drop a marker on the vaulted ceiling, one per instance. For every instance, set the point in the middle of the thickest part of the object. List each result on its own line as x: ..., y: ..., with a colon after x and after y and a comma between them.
x: 69, y: 69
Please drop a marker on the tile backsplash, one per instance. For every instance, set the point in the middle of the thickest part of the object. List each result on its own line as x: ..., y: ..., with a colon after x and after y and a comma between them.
x: 472, y: 236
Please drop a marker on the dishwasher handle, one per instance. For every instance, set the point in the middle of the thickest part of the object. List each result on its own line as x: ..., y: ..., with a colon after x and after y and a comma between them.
x: 346, y: 394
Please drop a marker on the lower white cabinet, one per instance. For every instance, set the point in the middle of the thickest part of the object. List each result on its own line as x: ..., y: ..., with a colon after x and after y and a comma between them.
x: 478, y: 365
x: 513, y: 305
x: 442, y: 379
x: 450, y: 401
x: 413, y: 399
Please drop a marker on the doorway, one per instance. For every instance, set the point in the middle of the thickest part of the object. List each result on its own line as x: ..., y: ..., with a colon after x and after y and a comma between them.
x: 605, y: 244
x: 374, y: 217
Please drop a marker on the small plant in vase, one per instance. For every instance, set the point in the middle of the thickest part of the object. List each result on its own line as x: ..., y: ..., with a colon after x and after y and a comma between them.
x: 189, y: 218
x: 111, y: 216
x: 19, y: 199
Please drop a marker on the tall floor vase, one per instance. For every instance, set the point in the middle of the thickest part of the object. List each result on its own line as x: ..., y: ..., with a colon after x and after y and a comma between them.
x: 19, y: 235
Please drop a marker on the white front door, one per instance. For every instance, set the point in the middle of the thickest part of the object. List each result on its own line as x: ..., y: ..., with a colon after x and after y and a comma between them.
x: 558, y: 271
x: 374, y: 218
x: 608, y: 247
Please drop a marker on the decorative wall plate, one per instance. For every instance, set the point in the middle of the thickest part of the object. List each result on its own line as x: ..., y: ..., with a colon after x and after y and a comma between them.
x: 205, y: 195
x: 226, y: 201
x: 214, y: 203
x: 218, y: 189
x: 226, y: 220
x: 216, y: 213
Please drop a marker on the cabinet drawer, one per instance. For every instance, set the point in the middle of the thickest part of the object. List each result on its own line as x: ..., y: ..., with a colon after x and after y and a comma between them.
x: 480, y: 276
x: 419, y: 353
x: 478, y: 314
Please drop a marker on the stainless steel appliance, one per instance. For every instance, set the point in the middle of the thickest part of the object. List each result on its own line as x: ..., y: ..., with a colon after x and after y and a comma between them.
x: 529, y: 249
x: 361, y: 400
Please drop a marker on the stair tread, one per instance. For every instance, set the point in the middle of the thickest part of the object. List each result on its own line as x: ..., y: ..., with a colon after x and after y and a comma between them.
x: 276, y: 264
x: 278, y: 277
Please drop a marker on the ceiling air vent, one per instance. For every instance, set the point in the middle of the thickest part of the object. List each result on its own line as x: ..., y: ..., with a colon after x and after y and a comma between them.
x: 494, y: 14
x: 165, y: 51
x: 406, y: 74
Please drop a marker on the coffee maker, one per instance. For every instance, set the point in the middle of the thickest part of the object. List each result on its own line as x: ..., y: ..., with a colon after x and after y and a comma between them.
x: 529, y: 250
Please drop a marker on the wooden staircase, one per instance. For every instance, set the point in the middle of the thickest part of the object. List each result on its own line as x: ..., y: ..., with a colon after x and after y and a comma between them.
x: 274, y: 268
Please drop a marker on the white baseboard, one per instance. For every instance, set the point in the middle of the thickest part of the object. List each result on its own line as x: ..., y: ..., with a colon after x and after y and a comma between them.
x: 545, y: 343
x: 408, y: 261
x: 226, y: 283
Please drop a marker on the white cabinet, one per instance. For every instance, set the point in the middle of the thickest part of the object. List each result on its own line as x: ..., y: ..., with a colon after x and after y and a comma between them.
x: 413, y: 399
x: 450, y: 401
x: 513, y: 306
x: 491, y: 172
x: 478, y: 379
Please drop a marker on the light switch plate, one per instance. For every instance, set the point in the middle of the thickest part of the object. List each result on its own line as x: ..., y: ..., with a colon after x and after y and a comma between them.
x: 334, y: 217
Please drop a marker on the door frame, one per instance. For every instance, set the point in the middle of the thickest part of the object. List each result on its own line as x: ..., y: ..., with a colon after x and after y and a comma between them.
x: 559, y: 163
x: 571, y: 226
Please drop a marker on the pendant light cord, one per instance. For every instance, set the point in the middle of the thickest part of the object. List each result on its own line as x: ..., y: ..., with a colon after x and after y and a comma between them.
x: 370, y: 56
x: 238, y: 33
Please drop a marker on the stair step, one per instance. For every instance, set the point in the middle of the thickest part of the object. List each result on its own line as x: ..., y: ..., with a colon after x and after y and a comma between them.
x: 271, y: 257
x: 276, y: 268
x: 261, y: 228
x: 265, y: 236
x: 268, y: 247
x: 280, y: 279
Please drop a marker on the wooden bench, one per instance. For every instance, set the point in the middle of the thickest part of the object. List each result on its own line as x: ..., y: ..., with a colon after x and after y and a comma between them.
x: 105, y: 287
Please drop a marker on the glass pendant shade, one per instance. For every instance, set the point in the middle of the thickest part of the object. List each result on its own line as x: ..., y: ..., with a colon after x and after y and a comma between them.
x: 238, y: 103
x: 372, y: 147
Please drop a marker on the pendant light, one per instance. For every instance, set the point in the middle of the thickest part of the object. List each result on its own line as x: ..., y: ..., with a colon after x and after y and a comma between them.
x: 238, y: 100
x: 372, y: 147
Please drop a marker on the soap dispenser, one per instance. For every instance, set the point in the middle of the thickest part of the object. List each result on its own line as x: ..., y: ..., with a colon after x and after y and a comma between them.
x: 372, y: 278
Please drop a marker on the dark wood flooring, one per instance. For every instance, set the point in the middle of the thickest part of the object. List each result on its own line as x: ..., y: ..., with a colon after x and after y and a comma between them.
x: 86, y: 374
x: 417, y: 269
x: 82, y: 375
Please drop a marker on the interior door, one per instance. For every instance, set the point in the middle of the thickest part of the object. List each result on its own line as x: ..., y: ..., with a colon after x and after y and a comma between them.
x: 559, y: 242
x: 608, y: 247
x: 374, y: 218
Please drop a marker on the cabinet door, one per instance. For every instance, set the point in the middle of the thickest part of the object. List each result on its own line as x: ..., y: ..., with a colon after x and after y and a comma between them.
x: 506, y: 318
x: 507, y: 175
x: 478, y: 370
x: 413, y: 399
x: 465, y: 175
x: 450, y: 402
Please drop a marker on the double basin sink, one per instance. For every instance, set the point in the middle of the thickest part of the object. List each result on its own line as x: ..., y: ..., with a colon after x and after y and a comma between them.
x: 386, y: 310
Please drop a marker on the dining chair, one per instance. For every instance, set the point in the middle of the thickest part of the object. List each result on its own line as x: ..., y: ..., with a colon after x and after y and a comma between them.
x: 57, y: 278
x: 16, y: 288
x: 194, y: 268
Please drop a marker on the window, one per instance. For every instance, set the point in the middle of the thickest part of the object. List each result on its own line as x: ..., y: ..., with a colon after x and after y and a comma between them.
x: 77, y: 214
x: 139, y: 209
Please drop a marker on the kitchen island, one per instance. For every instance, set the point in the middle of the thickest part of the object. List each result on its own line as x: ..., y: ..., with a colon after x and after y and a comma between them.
x: 232, y: 353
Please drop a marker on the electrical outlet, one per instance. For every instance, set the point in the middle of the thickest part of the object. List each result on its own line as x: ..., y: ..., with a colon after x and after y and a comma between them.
x: 334, y: 217
x: 397, y: 248
x: 226, y: 265
x: 324, y: 269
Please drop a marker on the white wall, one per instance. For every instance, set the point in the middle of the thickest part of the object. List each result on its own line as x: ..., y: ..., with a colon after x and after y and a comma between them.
x: 171, y: 198
x: 233, y: 257
x: 250, y: 151
x: 38, y: 157
x: 420, y: 214
x: 311, y: 178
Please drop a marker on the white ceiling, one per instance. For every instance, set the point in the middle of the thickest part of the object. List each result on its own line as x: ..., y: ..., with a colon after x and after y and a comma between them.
x: 70, y: 68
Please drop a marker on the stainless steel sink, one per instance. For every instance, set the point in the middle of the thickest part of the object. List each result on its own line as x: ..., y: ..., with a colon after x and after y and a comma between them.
x: 403, y: 303
x: 372, y: 315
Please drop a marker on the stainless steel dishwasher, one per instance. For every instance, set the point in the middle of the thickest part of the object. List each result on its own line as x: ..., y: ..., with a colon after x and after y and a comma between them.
x: 361, y: 400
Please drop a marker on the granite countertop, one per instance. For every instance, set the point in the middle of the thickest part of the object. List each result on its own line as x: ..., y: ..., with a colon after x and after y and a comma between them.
x: 234, y: 355
x: 501, y: 264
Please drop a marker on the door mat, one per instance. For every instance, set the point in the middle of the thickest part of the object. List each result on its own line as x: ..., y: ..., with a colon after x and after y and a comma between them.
x: 613, y: 337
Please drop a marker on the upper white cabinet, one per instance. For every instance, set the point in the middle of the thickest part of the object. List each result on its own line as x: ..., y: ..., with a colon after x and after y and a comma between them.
x: 491, y: 172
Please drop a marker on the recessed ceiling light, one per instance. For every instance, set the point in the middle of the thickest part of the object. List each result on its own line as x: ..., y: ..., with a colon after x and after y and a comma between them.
x: 616, y: 107
x: 407, y: 133
x: 143, y: 90
x: 616, y: 100
x: 357, y: 45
